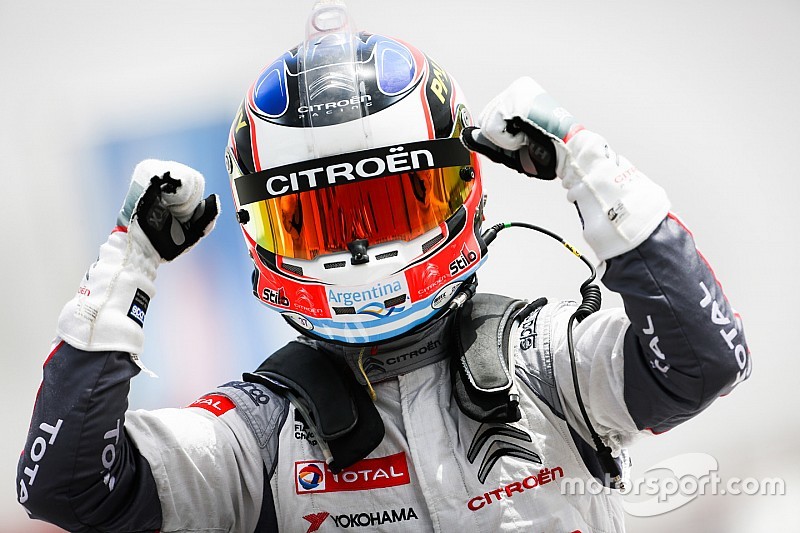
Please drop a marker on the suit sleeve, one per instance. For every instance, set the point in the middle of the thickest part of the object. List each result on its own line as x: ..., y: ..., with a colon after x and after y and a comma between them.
x: 677, y: 346
x: 212, y: 461
x: 685, y: 346
x: 88, y: 465
x: 79, y: 470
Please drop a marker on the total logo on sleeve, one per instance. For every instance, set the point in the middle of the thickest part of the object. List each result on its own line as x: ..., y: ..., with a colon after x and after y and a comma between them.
x: 367, y: 474
x: 216, y: 404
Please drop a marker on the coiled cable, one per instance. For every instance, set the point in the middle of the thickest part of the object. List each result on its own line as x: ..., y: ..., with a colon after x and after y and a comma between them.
x: 590, y: 302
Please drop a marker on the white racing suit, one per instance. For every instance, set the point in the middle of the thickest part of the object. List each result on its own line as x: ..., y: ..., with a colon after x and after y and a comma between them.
x: 241, y: 458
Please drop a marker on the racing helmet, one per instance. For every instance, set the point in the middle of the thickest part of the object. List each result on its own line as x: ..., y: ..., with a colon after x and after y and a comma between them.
x: 358, y: 203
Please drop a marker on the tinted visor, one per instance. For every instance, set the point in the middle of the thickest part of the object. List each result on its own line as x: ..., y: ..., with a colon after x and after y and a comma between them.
x: 381, y: 195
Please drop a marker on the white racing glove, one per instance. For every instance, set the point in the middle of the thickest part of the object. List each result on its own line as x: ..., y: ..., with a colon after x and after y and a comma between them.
x: 525, y: 129
x: 163, y: 216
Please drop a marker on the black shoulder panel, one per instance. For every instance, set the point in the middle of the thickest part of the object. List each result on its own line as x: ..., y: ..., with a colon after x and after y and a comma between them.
x: 480, y: 369
x: 339, y: 410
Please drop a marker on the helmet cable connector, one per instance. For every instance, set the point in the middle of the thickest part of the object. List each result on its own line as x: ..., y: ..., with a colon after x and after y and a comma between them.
x: 590, y: 303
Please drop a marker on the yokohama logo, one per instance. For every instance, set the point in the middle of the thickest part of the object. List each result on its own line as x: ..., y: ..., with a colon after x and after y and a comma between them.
x: 363, y: 519
x: 367, y: 474
x: 316, y: 520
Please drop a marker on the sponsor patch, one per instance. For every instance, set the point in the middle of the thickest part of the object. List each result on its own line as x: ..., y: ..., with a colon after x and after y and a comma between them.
x: 139, y: 307
x: 253, y: 391
x: 351, y: 167
x: 522, y: 484
x: 275, y: 297
x: 214, y: 403
x: 465, y: 259
x: 499, y: 438
x: 618, y: 213
x: 367, y: 474
x: 34, y: 454
x: 439, y: 95
x: 302, y: 432
x: 445, y: 294
x: 362, y: 519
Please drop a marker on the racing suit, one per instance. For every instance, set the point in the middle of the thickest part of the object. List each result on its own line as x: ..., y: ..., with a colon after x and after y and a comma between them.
x: 242, y: 459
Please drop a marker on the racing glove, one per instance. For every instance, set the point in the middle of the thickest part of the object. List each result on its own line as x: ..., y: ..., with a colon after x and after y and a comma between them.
x: 162, y: 217
x: 525, y: 129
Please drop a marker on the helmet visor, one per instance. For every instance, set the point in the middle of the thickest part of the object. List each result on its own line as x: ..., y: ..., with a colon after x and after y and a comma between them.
x: 384, y: 194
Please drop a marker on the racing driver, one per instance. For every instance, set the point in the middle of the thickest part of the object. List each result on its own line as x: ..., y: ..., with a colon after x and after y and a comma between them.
x: 410, y: 401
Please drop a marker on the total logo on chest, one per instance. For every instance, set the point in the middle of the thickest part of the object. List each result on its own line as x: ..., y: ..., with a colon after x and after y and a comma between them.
x: 367, y: 474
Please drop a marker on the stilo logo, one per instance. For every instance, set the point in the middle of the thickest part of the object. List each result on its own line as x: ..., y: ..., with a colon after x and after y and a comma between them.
x: 499, y: 447
x: 275, y: 297
x: 464, y: 260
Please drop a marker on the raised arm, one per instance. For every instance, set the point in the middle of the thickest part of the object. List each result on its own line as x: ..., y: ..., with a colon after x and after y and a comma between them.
x: 678, y: 344
x: 79, y: 468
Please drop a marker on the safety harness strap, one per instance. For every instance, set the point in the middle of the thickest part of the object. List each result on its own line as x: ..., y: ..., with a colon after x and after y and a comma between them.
x: 339, y: 410
x: 333, y: 403
x: 482, y: 369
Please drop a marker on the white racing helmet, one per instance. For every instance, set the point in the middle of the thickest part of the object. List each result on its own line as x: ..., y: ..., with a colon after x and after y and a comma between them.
x: 359, y: 205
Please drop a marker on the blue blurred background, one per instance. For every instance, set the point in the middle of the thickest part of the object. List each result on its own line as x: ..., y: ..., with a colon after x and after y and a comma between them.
x: 702, y: 96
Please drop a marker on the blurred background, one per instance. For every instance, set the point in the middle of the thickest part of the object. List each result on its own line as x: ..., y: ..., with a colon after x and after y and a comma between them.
x: 702, y: 96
